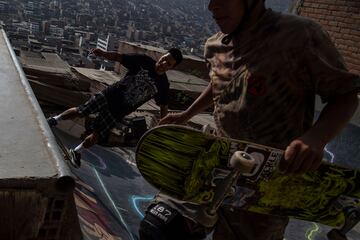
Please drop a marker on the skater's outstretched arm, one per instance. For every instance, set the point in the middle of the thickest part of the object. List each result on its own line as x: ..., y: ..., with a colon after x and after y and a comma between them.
x: 112, y: 56
x: 200, y: 104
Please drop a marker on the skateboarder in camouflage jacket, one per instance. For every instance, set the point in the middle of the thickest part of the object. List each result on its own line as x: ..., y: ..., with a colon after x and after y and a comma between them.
x: 265, y: 70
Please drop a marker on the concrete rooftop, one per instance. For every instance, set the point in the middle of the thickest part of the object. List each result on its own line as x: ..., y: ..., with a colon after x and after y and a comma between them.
x: 27, y: 150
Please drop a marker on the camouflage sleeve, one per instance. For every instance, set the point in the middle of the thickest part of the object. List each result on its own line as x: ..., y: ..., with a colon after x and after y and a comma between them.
x: 206, y: 56
x: 328, y: 74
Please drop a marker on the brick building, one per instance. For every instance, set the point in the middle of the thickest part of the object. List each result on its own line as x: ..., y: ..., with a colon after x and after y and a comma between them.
x: 341, y: 18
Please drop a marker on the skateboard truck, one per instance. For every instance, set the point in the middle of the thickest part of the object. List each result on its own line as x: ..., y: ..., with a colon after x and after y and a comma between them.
x: 352, y: 217
x: 241, y: 163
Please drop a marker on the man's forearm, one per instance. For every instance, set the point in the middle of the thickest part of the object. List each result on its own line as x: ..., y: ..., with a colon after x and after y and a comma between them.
x: 112, y: 56
x: 334, y: 117
x: 204, y: 101
x: 163, y: 110
x: 200, y: 104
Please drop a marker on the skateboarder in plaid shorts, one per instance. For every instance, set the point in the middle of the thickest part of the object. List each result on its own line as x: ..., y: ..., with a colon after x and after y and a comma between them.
x: 265, y: 70
x: 145, y: 79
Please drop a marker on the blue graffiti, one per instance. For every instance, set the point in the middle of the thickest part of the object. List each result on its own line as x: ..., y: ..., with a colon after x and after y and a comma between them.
x: 330, y: 153
x: 135, y: 203
x: 107, y: 194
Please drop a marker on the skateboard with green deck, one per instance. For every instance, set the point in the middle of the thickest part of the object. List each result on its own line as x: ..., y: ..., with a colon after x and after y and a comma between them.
x: 197, y: 167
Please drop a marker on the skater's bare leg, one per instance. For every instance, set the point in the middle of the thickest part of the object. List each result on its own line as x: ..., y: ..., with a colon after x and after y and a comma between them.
x: 90, y: 140
x: 67, y: 115
x: 87, y: 143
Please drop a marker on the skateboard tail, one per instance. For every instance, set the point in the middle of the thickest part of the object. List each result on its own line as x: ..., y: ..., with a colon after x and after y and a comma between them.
x: 170, y: 159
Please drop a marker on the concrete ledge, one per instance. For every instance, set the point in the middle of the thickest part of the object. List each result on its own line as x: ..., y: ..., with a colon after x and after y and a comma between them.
x: 27, y: 147
x: 35, y: 181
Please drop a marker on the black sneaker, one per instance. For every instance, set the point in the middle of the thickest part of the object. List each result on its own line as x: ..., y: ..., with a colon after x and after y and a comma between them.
x: 75, y: 158
x: 52, y: 122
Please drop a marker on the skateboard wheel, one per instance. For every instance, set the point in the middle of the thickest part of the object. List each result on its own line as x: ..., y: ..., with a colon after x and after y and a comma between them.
x: 207, y: 129
x: 243, y: 161
x: 336, y: 235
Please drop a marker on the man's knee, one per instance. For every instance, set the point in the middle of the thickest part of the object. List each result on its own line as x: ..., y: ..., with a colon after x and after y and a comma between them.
x: 156, y: 223
x: 162, y: 222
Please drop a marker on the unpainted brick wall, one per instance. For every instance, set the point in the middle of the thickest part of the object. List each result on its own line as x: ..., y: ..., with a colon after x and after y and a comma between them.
x: 341, y: 18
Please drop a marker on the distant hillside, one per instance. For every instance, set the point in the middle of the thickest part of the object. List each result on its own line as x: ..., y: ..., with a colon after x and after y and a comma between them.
x: 196, y: 7
x: 199, y: 7
x: 279, y: 5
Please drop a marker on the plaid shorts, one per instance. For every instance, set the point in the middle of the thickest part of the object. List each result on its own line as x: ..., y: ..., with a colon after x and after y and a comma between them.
x: 104, y: 120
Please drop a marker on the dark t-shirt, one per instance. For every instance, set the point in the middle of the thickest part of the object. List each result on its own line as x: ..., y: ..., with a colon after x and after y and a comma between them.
x: 139, y: 85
